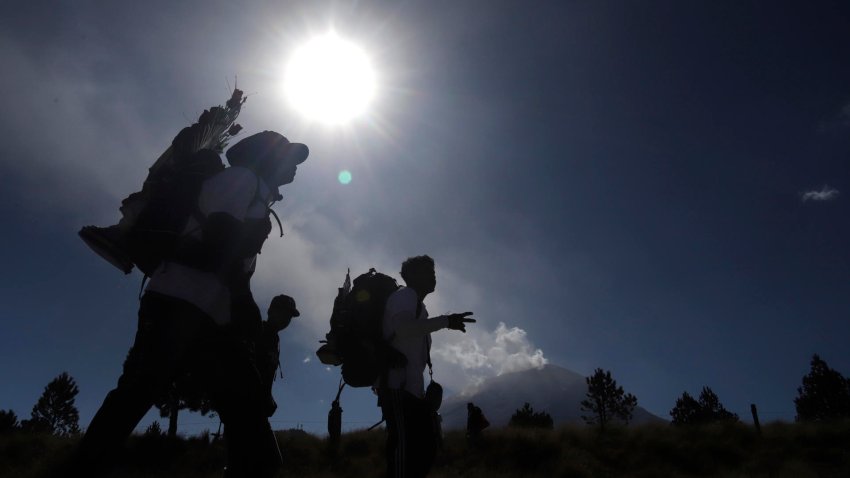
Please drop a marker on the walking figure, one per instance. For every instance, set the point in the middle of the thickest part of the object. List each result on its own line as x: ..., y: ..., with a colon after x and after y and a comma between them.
x: 197, y: 314
x: 411, y: 428
x: 476, y: 422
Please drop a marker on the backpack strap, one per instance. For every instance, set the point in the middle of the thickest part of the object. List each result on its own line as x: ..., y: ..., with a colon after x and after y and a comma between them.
x: 279, y: 226
x: 427, y: 343
x: 275, y: 198
x: 430, y: 365
x: 339, y: 392
x: 142, y: 287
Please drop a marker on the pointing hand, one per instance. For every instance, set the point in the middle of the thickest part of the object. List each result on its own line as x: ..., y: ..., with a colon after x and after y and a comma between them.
x: 459, y: 321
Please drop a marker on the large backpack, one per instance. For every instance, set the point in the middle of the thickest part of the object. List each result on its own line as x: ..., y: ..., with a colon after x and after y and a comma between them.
x: 153, y: 219
x: 164, y: 213
x: 355, y: 340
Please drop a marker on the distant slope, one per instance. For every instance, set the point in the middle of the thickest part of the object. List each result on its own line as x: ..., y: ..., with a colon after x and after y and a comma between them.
x: 552, y: 389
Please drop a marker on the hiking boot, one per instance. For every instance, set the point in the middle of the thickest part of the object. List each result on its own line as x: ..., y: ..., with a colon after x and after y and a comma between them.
x: 108, y: 243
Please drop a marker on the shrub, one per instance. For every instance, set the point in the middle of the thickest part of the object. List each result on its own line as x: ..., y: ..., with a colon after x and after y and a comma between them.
x: 526, y: 417
x: 153, y: 430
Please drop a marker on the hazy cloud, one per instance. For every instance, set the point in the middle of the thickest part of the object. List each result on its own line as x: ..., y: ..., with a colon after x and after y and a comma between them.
x: 311, y: 270
x: 845, y: 113
x: 306, y: 360
x: 825, y: 194
x: 470, y: 358
x: 837, y: 123
x: 87, y: 141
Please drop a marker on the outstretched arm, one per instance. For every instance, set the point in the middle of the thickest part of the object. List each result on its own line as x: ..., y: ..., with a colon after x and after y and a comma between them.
x: 414, y: 328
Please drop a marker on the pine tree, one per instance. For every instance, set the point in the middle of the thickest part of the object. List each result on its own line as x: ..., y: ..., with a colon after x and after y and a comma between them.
x: 606, y: 401
x: 708, y: 409
x: 8, y: 421
x: 825, y: 394
x: 712, y: 409
x: 687, y: 410
x: 55, y: 411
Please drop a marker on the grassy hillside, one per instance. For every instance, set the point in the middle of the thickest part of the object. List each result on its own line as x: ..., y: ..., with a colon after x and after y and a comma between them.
x: 783, y: 450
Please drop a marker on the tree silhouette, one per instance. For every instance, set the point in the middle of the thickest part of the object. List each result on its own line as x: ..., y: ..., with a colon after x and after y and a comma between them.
x: 55, y: 411
x: 8, y: 421
x: 184, y: 394
x: 707, y: 410
x: 825, y: 394
x: 606, y: 401
x: 686, y: 411
x: 526, y: 417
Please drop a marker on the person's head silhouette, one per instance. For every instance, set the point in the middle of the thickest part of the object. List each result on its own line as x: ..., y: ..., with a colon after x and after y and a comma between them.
x: 269, y: 154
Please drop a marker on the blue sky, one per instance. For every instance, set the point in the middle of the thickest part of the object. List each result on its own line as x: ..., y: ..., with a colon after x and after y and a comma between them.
x: 605, y: 184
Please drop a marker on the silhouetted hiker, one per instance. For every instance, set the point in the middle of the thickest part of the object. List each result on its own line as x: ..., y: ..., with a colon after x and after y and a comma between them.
x: 475, y: 423
x: 335, y: 423
x: 411, y: 427
x: 197, y: 308
x: 267, y: 347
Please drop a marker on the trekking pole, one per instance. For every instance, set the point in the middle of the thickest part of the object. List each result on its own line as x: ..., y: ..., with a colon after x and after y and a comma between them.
x: 375, y: 425
x: 335, y: 418
x: 217, y: 435
x: 339, y: 392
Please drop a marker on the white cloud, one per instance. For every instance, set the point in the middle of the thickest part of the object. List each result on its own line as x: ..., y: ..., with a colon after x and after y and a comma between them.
x: 306, y: 360
x: 463, y: 361
x: 825, y: 194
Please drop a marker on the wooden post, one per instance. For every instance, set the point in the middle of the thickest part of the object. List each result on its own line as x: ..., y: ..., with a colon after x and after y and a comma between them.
x: 755, y: 413
x: 217, y: 435
x: 172, y: 420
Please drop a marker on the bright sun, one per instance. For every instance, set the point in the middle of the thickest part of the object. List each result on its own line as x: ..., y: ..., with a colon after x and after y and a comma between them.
x: 330, y: 79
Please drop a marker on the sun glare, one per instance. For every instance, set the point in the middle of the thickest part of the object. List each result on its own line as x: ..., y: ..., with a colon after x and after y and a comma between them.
x: 330, y: 79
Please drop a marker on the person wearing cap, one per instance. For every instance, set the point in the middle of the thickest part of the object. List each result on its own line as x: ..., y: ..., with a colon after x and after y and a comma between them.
x: 197, y: 303
x: 281, y: 311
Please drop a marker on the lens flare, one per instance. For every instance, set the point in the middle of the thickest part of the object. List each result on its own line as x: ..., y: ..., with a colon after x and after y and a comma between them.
x: 344, y: 176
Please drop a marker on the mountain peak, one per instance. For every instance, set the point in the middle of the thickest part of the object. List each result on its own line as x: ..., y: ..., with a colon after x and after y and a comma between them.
x: 550, y: 388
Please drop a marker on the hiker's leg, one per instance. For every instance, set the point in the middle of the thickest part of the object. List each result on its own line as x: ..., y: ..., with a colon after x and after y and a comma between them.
x: 252, y: 450
x: 240, y: 400
x: 427, y: 435
x: 165, y: 330
x: 418, y: 436
x: 393, y: 410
